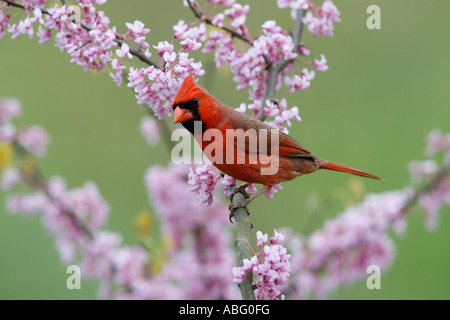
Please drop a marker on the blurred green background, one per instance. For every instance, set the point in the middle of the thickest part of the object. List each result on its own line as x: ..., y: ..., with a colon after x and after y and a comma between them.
x: 385, y: 90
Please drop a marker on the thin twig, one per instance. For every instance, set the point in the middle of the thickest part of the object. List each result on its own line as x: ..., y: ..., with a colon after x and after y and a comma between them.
x: 443, y: 172
x: 35, y: 180
x: 232, y: 32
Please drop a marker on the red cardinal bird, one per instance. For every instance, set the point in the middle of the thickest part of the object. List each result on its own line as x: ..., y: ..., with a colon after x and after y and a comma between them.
x: 223, y: 134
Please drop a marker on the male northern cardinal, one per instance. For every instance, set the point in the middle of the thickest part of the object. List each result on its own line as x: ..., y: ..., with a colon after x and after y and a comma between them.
x: 193, y: 103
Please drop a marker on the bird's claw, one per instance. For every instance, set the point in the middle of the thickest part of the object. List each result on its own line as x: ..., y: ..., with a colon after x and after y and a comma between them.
x: 240, y: 189
x: 234, y: 206
x: 242, y: 204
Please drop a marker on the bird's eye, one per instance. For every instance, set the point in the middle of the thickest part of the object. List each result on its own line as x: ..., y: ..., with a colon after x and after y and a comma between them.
x: 194, y: 102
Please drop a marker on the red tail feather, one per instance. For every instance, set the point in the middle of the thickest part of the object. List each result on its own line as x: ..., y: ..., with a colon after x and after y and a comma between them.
x: 340, y: 167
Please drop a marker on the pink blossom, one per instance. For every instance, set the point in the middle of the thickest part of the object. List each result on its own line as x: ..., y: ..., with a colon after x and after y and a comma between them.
x: 270, y: 265
x: 181, y: 28
x: 227, y: 181
x: 308, y: 74
x: 167, y: 187
x: 67, y: 250
x: 9, y: 109
x: 34, y: 139
x: 188, y: 66
x: 297, y: 83
x: 275, y: 188
x: 88, y: 205
x: 237, y: 14
x: 304, y: 51
x: 124, y: 51
x: 173, y: 199
x: 9, y: 178
x: 150, y: 130
x: 261, y: 239
x: 169, y: 57
x: 26, y: 27
x: 191, y: 45
x: 320, y: 65
x: 14, y: 29
x: 137, y: 32
x: 224, y: 45
x: 91, y: 50
x: 240, y: 273
x: 323, y: 20
x: 97, y: 257
x: 277, y: 238
x: 330, y: 11
x: 197, y: 33
x: 249, y: 67
x: 129, y: 265
x: 225, y: 3
x: 270, y: 26
x: 163, y: 47
x: 203, y: 180
x: 255, y: 107
x: 200, y: 254
x: 360, y: 229
x: 155, y: 87
x: 44, y: 35
x: 4, y: 22
x: 57, y: 189
x: 7, y: 132
x: 241, y: 108
x: 424, y: 169
x: 283, y: 4
x: 118, y: 67
x: 293, y: 4
x: 57, y: 14
x: 137, y: 28
x: 433, y: 200
x: 286, y: 116
x: 217, y: 20
x: 27, y: 204
x: 282, y: 115
x: 437, y: 142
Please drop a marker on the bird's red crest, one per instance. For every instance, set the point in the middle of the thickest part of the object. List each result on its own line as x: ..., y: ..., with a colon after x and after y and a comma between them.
x: 188, y: 91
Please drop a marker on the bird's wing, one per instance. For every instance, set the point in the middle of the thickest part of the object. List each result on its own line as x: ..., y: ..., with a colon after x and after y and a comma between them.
x: 287, y: 146
x: 292, y: 149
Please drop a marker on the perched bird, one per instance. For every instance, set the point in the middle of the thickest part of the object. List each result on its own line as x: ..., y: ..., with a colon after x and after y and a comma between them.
x: 242, y: 146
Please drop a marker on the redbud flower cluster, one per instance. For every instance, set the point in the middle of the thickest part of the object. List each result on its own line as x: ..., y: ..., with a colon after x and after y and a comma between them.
x: 341, y: 251
x: 438, y: 193
x: 33, y: 139
x: 270, y: 265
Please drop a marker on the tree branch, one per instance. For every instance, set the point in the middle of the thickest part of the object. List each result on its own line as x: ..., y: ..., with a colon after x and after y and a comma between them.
x: 138, y: 54
x: 233, y: 32
x: 243, y: 248
x: 35, y: 181
x: 442, y: 173
x: 276, y: 68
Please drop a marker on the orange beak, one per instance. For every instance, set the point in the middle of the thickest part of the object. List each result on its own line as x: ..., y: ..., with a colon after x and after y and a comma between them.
x: 181, y: 115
